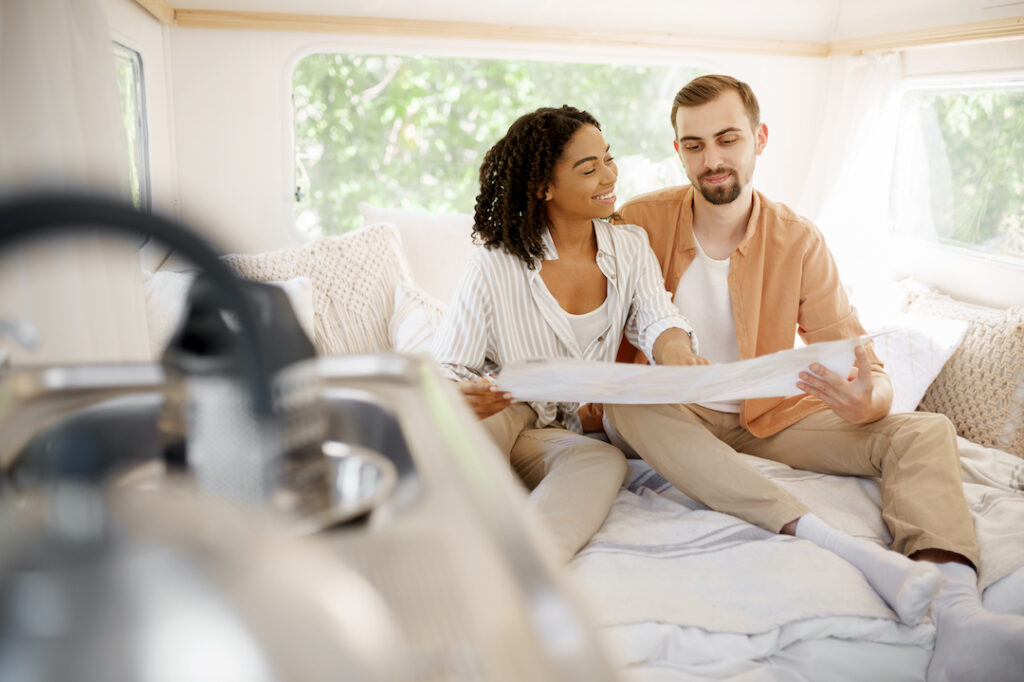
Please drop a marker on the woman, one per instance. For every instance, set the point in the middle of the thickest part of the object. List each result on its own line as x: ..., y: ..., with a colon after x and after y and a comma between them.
x: 555, y: 280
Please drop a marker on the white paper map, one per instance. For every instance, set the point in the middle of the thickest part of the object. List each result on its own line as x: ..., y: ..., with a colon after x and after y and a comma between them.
x: 567, y: 380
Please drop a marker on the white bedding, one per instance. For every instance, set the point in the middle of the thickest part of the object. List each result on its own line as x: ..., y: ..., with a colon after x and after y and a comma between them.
x: 684, y: 593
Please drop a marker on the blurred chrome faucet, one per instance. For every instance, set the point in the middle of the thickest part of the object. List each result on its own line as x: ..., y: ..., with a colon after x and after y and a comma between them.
x: 22, y: 332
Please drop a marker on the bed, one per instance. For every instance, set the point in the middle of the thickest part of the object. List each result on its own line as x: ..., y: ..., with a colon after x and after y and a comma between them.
x: 680, y: 592
x: 677, y: 591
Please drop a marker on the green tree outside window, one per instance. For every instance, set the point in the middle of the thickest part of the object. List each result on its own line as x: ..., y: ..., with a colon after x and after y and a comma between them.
x: 411, y: 132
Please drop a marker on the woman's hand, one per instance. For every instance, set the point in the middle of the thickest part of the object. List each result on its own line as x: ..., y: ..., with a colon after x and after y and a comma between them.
x: 681, y: 354
x: 673, y: 347
x: 484, y: 398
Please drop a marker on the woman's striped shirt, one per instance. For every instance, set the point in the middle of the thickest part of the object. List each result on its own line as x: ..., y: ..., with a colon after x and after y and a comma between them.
x: 502, y: 312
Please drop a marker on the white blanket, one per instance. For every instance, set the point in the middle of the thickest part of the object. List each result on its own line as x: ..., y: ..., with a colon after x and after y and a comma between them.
x: 669, y: 580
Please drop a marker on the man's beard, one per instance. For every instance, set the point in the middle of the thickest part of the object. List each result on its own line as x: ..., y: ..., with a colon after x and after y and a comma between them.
x: 725, y: 193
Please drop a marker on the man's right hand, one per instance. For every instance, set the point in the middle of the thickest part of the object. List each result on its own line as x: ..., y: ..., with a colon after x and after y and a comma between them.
x: 484, y: 398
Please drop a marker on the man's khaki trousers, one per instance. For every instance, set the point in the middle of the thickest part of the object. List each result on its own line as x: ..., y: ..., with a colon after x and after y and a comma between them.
x: 574, y: 479
x: 914, y: 454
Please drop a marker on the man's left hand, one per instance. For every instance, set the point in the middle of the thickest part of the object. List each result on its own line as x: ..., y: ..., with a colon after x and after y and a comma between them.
x: 851, y: 398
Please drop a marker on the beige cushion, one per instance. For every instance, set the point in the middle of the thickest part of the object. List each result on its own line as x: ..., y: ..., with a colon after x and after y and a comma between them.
x: 354, y: 280
x: 981, y: 387
x: 167, y: 290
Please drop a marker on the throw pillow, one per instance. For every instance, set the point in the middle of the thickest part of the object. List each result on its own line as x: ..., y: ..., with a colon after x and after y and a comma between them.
x: 437, y: 246
x: 981, y: 388
x: 914, y: 349
x: 354, y: 278
x: 416, y: 319
x: 166, y: 292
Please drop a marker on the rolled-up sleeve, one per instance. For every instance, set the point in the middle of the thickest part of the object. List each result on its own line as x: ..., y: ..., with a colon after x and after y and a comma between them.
x: 825, y: 312
x: 651, y: 311
x: 460, y: 346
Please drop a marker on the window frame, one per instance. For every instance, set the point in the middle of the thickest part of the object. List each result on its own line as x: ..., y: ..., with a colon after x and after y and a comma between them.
x: 959, y: 82
x: 141, y: 124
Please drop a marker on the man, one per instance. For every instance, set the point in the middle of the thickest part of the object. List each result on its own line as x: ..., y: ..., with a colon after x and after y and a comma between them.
x: 748, y: 273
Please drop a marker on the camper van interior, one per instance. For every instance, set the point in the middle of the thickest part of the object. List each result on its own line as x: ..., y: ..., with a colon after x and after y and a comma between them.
x: 230, y: 231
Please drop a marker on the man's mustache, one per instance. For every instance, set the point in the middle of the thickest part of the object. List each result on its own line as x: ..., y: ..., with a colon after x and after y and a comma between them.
x: 718, y: 171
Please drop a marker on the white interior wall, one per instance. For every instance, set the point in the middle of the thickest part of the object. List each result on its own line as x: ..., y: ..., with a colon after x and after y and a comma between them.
x: 233, y: 117
x: 220, y: 146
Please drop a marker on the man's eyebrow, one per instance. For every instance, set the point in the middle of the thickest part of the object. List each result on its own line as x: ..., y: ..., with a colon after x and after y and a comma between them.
x: 718, y: 134
x: 590, y: 158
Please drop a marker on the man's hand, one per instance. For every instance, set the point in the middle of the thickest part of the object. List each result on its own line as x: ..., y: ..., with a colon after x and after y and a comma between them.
x: 673, y: 347
x: 853, y: 398
x: 484, y: 398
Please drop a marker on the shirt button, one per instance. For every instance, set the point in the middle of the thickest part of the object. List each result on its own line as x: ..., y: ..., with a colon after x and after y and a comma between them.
x: 600, y: 339
x: 613, y: 275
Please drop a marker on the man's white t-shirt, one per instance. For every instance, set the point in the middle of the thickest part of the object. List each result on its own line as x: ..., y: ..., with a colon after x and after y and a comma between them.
x: 702, y: 295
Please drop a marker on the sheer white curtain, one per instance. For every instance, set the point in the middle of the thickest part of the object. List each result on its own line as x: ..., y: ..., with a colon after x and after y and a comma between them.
x: 60, y: 128
x: 847, y: 188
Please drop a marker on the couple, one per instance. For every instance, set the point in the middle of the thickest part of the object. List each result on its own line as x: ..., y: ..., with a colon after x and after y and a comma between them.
x: 742, y: 274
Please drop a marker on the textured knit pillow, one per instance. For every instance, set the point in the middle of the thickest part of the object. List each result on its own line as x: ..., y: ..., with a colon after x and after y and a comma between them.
x: 981, y: 387
x: 166, y: 291
x: 354, y: 279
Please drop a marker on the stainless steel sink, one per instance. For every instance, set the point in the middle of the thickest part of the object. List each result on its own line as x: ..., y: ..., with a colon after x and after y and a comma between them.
x: 110, y: 414
x: 448, y: 549
x: 106, y: 413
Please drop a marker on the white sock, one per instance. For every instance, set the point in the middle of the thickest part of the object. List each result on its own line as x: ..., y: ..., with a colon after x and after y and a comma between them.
x: 970, y: 642
x: 906, y: 586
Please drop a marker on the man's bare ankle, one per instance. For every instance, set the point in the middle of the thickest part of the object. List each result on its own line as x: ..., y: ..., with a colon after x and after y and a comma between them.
x: 941, y: 556
x: 789, y: 528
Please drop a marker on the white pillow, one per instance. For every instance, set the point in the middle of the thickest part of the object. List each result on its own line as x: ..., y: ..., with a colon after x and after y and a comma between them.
x: 914, y: 351
x: 436, y: 246
x: 416, y: 319
x: 300, y: 294
x: 166, y: 292
x: 165, y: 305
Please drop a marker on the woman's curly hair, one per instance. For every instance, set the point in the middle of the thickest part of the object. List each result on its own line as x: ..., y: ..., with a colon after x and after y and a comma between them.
x: 514, y: 178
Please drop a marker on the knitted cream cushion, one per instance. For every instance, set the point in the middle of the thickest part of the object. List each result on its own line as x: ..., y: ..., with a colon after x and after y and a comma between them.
x: 354, y: 281
x: 981, y: 387
x: 166, y: 293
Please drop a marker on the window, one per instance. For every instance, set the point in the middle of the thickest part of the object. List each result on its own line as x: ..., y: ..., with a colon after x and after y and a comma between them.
x: 133, y: 108
x: 958, y: 178
x: 411, y: 132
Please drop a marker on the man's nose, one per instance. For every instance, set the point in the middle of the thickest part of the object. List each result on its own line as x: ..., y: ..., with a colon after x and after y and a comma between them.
x: 713, y: 158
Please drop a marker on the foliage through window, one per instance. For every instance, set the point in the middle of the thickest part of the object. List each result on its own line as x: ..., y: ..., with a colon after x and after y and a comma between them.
x: 133, y: 108
x: 958, y: 178
x: 411, y: 132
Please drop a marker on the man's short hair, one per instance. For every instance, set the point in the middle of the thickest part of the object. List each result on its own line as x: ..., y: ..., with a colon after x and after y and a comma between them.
x: 703, y: 89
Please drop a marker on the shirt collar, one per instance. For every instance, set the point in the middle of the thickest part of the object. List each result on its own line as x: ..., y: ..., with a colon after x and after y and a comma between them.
x: 604, y: 241
x: 550, y: 252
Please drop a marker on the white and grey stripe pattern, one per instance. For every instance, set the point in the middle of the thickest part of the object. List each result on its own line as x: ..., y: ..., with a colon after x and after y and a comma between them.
x: 503, y: 312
